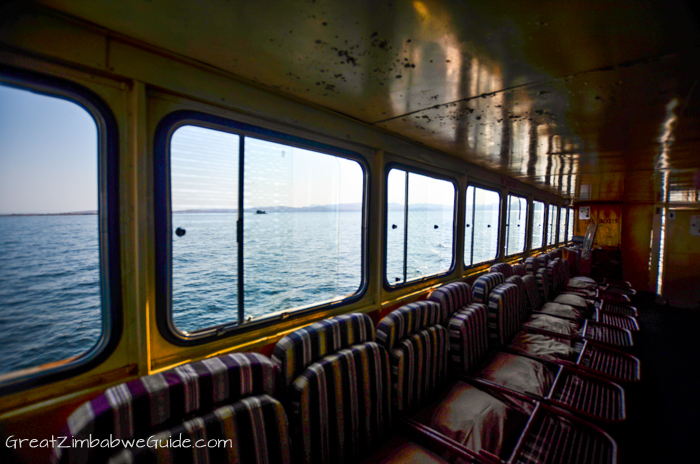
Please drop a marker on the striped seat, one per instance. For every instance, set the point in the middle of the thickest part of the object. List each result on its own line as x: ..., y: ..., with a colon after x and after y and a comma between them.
x: 469, y: 339
x: 452, y: 298
x: 471, y: 325
x: 418, y: 348
x: 484, y: 284
x: 531, y: 265
x: 336, y: 379
x: 141, y: 407
x: 503, y: 268
x: 543, y: 260
x: 620, y: 367
x: 417, y: 345
x: 519, y: 269
x: 582, y: 394
x: 543, y: 285
x: 252, y: 430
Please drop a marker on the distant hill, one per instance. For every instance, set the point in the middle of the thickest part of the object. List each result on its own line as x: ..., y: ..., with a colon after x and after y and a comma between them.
x: 345, y: 207
x: 74, y: 213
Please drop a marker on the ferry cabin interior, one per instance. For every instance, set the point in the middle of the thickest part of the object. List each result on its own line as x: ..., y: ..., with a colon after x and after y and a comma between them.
x: 568, y: 113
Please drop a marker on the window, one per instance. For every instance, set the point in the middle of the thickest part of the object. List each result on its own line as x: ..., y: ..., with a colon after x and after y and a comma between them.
x: 570, y: 226
x: 552, y: 225
x: 482, y: 225
x: 56, y: 270
x: 260, y: 228
x: 537, y: 224
x: 515, y: 225
x: 420, y: 226
x: 562, y: 225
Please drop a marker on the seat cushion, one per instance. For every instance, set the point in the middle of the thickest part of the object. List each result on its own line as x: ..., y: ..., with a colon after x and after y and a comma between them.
x: 468, y: 416
x: 553, y: 324
x: 558, y: 309
x: 517, y: 373
x: 544, y: 346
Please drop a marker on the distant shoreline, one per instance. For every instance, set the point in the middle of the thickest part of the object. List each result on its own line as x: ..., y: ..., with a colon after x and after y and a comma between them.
x: 76, y: 213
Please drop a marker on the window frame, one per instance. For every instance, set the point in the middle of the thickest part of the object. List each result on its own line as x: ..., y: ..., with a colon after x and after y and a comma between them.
x: 544, y: 223
x: 505, y: 224
x: 498, y: 227
x: 163, y: 224
x: 424, y: 172
x: 109, y: 244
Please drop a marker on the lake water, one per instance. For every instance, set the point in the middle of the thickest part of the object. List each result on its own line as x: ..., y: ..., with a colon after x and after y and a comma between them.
x: 49, y: 274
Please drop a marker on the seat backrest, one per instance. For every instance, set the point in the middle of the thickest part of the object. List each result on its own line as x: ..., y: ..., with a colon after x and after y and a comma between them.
x: 519, y: 269
x: 252, y: 430
x: 542, y: 278
x: 543, y: 260
x: 532, y: 300
x: 554, y: 275
x: 469, y: 338
x: 522, y: 297
x: 338, y: 389
x: 531, y: 265
x: 484, y: 284
x: 150, y: 404
x: 418, y: 351
x: 504, y: 317
x: 452, y: 297
x: 503, y: 268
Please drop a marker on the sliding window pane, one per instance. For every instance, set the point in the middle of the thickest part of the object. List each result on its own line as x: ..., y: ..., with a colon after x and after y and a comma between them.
x: 537, y: 224
x: 204, y: 199
x: 302, y: 228
x: 515, y: 223
x: 425, y: 245
x: 482, y: 225
x: 562, y: 225
x: 430, y: 225
x: 570, y: 226
x: 552, y: 225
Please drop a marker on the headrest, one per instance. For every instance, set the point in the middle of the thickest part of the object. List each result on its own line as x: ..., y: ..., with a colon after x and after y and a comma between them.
x: 484, y: 284
x: 503, y: 268
x: 452, y: 298
x: 406, y: 320
x: 301, y: 348
x: 519, y: 269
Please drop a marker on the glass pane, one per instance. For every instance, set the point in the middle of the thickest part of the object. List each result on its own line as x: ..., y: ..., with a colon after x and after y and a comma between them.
x: 486, y: 223
x: 395, y: 229
x: 302, y: 228
x: 430, y: 225
x: 537, y: 224
x: 515, y: 235
x: 572, y: 219
x: 551, y: 225
x: 204, y: 193
x: 50, y: 304
x: 562, y: 225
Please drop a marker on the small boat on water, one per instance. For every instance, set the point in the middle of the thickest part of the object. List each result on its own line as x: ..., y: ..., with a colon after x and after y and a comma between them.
x: 260, y: 212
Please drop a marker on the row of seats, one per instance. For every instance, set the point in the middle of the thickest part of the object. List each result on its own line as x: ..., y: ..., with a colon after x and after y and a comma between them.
x: 484, y: 376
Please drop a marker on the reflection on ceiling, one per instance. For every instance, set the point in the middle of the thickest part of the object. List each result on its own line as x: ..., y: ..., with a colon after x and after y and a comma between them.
x: 556, y: 93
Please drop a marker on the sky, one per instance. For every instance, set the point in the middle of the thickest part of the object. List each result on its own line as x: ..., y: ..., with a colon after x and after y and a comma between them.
x: 48, y: 154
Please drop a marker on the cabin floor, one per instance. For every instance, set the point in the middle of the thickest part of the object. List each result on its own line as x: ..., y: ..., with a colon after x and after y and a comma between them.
x: 664, y: 409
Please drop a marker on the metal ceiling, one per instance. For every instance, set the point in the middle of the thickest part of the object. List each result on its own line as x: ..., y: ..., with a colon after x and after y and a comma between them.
x: 559, y: 93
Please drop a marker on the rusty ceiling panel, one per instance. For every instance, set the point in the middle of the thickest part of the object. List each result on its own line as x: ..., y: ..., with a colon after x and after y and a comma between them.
x: 544, y: 91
